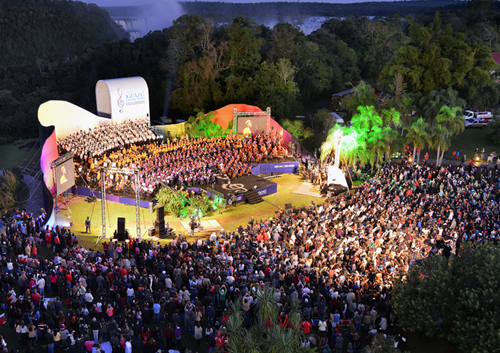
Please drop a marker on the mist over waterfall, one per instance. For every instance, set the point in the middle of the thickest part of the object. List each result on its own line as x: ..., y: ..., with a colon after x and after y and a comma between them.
x: 139, y: 19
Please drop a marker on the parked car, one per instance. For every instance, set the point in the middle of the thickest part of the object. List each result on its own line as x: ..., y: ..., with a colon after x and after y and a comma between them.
x: 485, y: 115
x: 475, y: 122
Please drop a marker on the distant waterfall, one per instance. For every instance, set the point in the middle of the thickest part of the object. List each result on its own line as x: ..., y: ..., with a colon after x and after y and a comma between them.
x: 135, y: 27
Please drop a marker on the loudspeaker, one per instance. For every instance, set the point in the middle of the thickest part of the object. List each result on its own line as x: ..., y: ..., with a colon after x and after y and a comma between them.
x: 160, y: 213
x: 121, y: 225
x: 160, y: 229
x: 121, y: 236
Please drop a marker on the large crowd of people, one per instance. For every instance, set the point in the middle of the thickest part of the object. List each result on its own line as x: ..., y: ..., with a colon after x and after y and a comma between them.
x: 338, y: 258
x: 176, y: 162
x: 97, y: 141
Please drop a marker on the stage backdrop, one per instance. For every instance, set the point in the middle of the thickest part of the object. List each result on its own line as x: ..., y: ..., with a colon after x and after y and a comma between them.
x: 122, y: 99
x: 224, y: 115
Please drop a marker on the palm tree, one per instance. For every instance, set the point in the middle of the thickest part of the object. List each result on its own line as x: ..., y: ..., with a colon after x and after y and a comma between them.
x: 417, y: 135
x: 453, y: 122
x: 439, y: 139
x: 260, y: 337
x: 363, y: 96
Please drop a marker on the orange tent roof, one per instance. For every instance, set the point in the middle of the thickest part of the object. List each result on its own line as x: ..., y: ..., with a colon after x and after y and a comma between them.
x: 224, y: 115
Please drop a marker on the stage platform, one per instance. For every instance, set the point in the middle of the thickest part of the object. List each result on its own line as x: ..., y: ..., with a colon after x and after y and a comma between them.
x: 240, y: 185
x: 208, y: 226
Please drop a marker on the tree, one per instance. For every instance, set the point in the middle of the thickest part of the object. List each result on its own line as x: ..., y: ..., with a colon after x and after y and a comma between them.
x: 417, y: 135
x: 9, y: 190
x: 368, y: 124
x: 265, y: 334
x: 446, y: 124
x: 202, y: 125
x: 454, y: 299
x: 276, y: 88
x: 382, y: 344
x: 400, y: 100
x: 323, y: 116
x: 169, y: 199
x: 364, y: 95
x: 436, y: 59
x: 431, y: 103
x: 297, y: 129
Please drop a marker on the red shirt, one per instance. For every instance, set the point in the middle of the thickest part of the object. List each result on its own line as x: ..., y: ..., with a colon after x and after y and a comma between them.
x: 306, y: 327
x: 69, y: 278
x: 123, y: 272
x: 35, y: 297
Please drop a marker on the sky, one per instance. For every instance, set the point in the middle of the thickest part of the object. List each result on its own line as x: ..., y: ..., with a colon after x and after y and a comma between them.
x: 104, y: 3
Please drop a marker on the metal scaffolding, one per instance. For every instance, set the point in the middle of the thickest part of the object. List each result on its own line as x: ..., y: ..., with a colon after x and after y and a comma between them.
x: 137, y: 190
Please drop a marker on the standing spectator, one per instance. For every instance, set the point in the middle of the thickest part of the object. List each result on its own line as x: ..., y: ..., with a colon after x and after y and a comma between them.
x: 128, y: 346
x: 178, y: 335
x: 198, y: 334
x: 87, y: 226
x: 89, y: 345
x: 94, y: 326
x: 339, y: 344
x: 49, y: 338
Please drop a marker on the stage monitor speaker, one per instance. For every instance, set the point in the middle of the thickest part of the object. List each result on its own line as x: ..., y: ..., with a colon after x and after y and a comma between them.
x: 160, y: 213
x: 121, y: 225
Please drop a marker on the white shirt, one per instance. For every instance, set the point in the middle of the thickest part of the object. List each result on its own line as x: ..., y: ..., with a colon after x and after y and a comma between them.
x: 89, y: 298
x: 128, y: 347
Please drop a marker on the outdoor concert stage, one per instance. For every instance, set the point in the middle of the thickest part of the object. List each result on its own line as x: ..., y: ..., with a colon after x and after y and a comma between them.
x: 239, y: 185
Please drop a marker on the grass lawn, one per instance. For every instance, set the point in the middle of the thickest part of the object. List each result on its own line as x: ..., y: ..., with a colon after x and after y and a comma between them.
x: 230, y: 219
x: 11, y: 156
x: 467, y: 142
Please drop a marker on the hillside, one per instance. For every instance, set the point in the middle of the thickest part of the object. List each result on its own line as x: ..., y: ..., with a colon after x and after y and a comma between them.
x: 49, y: 30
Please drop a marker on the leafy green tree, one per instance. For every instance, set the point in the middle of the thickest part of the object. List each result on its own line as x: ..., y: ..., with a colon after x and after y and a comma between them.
x: 447, y: 123
x: 202, y: 125
x: 9, y: 187
x: 417, y: 135
x: 401, y: 101
x: 436, y: 59
x: 323, y: 117
x: 364, y: 95
x: 243, y: 36
x: 494, y: 130
x: 277, y: 88
x: 430, y: 104
x: 340, y: 58
x: 261, y: 336
x: 169, y: 199
x: 313, y: 75
x: 454, y: 299
x: 297, y: 129
x: 382, y: 344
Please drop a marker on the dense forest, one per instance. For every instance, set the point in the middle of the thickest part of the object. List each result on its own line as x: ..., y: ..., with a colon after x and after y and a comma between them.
x: 272, y: 12
x: 196, y: 65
